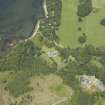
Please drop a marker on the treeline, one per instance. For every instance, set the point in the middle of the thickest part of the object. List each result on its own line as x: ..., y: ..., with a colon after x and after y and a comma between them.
x: 86, y: 60
x: 24, y: 56
x: 50, y: 24
x: 20, y: 56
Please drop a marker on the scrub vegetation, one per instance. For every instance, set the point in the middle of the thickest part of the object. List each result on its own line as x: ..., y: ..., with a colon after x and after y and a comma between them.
x: 30, y: 76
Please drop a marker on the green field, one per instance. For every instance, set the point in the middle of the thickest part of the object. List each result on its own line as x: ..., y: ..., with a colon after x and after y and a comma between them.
x: 90, y: 25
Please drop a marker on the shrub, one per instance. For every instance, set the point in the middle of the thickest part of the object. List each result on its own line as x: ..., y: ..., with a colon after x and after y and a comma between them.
x: 102, y: 22
x: 84, y: 8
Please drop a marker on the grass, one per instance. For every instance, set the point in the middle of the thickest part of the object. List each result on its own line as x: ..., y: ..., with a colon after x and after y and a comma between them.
x: 4, y: 76
x: 19, y: 84
x: 50, y: 89
x: 68, y: 31
x: 100, y: 101
x: 15, y: 82
x: 60, y: 90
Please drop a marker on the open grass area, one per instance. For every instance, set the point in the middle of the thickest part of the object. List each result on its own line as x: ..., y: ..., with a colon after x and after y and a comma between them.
x: 49, y: 89
x: 90, y: 25
x: 60, y: 90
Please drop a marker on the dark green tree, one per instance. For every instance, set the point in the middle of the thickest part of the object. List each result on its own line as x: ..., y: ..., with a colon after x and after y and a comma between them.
x: 82, y: 39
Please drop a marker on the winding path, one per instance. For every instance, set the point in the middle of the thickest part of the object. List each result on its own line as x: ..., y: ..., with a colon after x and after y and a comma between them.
x: 60, y: 101
x: 45, y: 8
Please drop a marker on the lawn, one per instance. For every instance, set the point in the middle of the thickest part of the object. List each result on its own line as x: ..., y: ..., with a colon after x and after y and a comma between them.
x: 90, y: 25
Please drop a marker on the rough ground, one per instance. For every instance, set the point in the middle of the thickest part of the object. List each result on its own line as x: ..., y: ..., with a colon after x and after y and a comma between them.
x: 45, y: 92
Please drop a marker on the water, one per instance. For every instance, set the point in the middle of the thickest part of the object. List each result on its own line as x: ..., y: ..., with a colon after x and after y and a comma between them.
x: 18, y: 16
x: 17, y: 19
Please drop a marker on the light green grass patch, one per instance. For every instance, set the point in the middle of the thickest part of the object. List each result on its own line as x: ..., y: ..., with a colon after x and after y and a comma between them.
x: 60, y: 89
x: 90, y: 25
x: 4, y: 76
x: 96, y: 63
x: 38, y: 40
x: 98, y: 3
x: 100, y: 101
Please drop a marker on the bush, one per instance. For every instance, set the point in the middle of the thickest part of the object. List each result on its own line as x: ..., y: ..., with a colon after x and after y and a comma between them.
x: 19, y: 84
x: 102, y: 22
x: 84, y: 8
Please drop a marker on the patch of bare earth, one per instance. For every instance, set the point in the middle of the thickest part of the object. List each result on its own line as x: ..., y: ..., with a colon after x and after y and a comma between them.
x: 5, y: 98
x: 42, y: 95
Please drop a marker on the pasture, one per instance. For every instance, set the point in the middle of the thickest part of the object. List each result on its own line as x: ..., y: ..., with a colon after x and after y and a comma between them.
x: 89, y: 25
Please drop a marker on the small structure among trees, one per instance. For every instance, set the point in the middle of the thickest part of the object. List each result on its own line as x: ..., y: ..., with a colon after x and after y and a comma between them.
x: 91, y: 83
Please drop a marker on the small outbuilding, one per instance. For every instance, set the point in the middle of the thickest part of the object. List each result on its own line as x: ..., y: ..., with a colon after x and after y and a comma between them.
x: 91, y: 83
x: 53, y: 53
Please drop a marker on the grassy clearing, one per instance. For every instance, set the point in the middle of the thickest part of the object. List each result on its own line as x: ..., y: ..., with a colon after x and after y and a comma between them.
x: 48, y: 89
x: 68, y: 31
x: 60, y: 90
x: 4, y: 76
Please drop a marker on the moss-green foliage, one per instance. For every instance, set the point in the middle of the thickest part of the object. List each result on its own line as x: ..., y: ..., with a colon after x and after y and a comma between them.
x: 69, y: 75
x: 99, y: 99
x: 50, y: 25
x: 102, y: 22
x: 19, y: 83
x: 81, y: 98
x: 84, y: 8
x: 25, y: 56
x: 83, y: 65
x: 23, y: 61
x: 22, y: 57
x: 60, y: 89
x: 82, y: 55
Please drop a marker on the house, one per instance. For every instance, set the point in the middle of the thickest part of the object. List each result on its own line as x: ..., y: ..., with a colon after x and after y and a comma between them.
x: 53, y: 53
x: 88, y: 82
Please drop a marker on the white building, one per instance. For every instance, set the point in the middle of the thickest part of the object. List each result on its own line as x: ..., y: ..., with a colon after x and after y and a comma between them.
x: 91, y: 81
x: 53, y: 53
